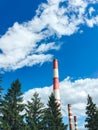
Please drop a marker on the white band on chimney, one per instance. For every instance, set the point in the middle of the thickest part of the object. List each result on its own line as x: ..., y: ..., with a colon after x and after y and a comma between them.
x: 55, y: 73
x: 57, y: 94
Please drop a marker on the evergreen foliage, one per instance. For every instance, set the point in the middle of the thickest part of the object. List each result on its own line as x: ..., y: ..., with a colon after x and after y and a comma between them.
x: 92, y: 115
x: 36, y: 117
x: 53, y: 117
x: 11, y: 118
x: 34, y: 113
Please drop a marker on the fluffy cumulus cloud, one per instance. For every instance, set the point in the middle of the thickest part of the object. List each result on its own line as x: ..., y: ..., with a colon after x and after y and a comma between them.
x: 19, y: 48
x: 74, y: 93
x: 28, y: 44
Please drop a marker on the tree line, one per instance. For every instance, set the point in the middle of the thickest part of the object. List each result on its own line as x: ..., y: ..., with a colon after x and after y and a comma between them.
x: 15, y: 115
x: 34, y: 115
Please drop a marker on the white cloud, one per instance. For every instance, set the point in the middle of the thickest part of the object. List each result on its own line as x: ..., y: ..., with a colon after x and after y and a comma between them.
x: 91, y: 10
x: 93, y: 21
x: 46, y: 47
x: 21, y: 44
x: 20, y: 48
x: 74, y: 93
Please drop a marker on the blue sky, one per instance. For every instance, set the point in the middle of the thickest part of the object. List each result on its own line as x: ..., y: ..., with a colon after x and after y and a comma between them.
x: 33, y: 33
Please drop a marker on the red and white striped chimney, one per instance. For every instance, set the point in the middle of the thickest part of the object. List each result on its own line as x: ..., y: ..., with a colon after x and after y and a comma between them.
x: 56, y: 81
x: 70, y: 117
x: 75, y: 123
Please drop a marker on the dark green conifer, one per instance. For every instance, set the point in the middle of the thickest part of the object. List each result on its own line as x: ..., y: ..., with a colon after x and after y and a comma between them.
x: 53, y: 117
x: 12, y: 118
x: 34, y: 112
x: 92, y: 115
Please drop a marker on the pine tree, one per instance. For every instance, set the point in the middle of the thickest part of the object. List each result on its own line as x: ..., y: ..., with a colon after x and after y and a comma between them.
x: 12, y: 107
x: 53, y: 117
x: 34, y: 112
x: 92, y: 115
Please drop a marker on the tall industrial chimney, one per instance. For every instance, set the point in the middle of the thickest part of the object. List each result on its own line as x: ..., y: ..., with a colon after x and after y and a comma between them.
x: 70, y: 117
x: 75, y: 123
x: 56, y: 81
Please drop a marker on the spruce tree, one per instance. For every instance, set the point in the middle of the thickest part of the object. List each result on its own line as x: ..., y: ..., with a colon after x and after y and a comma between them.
x: 34, y: 113
x: 53, y: 117
x: 12, y: 106
x: 92, y: 115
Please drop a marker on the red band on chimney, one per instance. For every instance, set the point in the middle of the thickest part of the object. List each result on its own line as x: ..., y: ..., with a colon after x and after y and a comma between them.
x: 55, y: 83
x: 55, y: 64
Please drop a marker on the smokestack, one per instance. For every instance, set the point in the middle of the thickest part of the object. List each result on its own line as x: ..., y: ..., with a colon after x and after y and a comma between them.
x: 75, y: 123
x: 70, y: 117
x: 56, y: 81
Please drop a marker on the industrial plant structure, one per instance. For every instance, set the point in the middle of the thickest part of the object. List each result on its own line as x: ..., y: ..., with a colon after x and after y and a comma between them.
x: 56, y: 91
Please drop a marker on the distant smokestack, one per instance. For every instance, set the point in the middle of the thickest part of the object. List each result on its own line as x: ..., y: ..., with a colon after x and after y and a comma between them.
x: 56, y: 81
x: 70, y: 117
x: 75, y: 123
